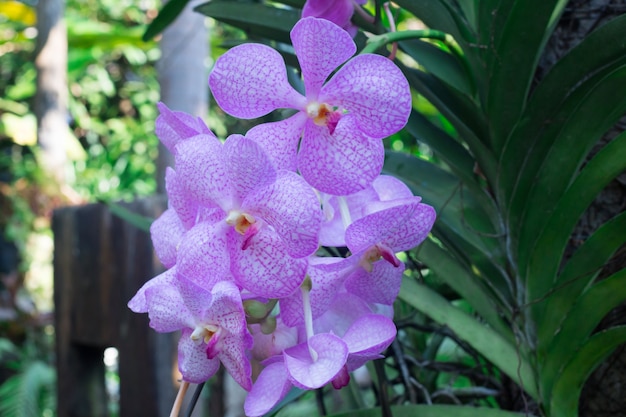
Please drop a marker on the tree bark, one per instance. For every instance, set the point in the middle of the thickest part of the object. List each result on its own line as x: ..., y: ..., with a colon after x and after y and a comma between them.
x: 51, y: 96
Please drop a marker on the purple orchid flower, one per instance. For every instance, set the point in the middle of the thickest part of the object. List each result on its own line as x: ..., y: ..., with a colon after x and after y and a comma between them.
x: 173, y: 126
x: 235, y: 213
x: 341, y: 121
x: 337, y: 11
x: 213, y: 325
x: 352, y: 336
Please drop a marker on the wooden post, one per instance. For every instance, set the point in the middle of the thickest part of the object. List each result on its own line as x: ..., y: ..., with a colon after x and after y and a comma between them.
x: 100, y: 262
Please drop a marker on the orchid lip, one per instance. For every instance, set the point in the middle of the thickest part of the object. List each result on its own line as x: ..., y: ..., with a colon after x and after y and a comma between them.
x: 241, y: 221
x: 376, y: 253
x: 203, y: 333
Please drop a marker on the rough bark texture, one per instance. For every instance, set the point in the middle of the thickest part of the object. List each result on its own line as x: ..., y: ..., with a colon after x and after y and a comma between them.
x: 51, y: 96
x: 605, y: 391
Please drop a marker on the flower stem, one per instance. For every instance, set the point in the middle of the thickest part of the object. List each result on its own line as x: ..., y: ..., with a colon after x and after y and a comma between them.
x: 392, y: 26
x: 308, y: 316
x: 345, y: 212
x: 178, y: 402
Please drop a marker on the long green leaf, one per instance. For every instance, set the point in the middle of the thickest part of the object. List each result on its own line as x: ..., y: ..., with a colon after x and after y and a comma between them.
x: 141, y: 222
x: 566, y: 393
x: 580, y: 322
x: 435, y: 410
x: 591, y: 60
x: 511, y: 72
x: 582, y: 268
x: 255, y: 19
x: 603, y: 167
x: 166, y: 16
x: 465, y: 284
x: 551, y: 217
x: 507, y: 357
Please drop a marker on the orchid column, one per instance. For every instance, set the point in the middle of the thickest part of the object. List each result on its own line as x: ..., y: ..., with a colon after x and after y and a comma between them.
x: 248, y: 219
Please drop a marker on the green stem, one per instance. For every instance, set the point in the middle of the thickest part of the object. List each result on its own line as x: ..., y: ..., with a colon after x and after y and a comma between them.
x: 378, y: 41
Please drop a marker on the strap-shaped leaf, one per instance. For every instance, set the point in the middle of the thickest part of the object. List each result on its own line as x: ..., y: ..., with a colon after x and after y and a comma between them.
x: 458, y: 110
x: 600, y: 110
x: 507, y: 357
x: 589, y: 259
x: 566, y: 392
x: 596, y: 56
x: 511, y: 71
x: 253, y: 18
x: 465, y: 283
x: 445, y: 66
x: 584, y: 316
x: 166, y: 16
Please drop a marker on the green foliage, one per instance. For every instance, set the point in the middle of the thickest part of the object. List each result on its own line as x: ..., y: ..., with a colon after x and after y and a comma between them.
x: 510, y: 178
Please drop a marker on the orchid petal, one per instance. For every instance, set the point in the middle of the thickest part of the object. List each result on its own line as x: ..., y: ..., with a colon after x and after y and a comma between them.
x: 173, y: 126
x: 265, y: 267
x: 344, y: 311
x: 370, y: 334
x: 202, y: 255
x: 400, y: 227
x: 138, y: 303
x: 321, y: 46
x: 374, y: 90
x: 193, y: 363
x: 391, y: 188
x: 342, y: 163
x: 291, y: 207
x: 233, y: 355
x: 166, y: 232
x: 248, y: 165
x: 226, y: 310
x: 203, y: 172
x: 382, y: 285
x: 280, y: 140
x: 270, y: 387
x: 167, y: 309
x: 250, y: 80
x: 307, y: 373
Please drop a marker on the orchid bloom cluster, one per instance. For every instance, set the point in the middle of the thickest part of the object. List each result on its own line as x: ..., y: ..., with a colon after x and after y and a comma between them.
x: 247, y: 217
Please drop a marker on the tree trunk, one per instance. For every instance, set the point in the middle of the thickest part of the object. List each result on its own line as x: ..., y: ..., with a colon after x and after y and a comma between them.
x: 604, y: 393
x: 51, y: 96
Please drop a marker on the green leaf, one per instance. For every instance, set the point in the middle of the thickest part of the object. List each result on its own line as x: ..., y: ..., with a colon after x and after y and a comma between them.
x: 551, y: 215
x: 484, y: 339
x: 434, y: 410
x: 517, y: 52
x: 166, y: 16
x: 255, y: 19
x: 580, y: 322
x: 552, y: 101
x: 566, y: 393
x: 583, y: 266
x: 464, y: 283
x: 445, y: 66
x: 137, y: 220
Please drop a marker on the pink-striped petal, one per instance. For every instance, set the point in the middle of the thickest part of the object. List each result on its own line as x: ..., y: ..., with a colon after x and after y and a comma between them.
x: 280, y: 140
x: 167, y: 309
x: 391, y: 188
x: 203, y: 172
x: 270, y: 387
x: 173, y: 126
x: 308, y: 373
x: 248, y: 166
x: 380, y: 286
x: 372, y: 89
x: 250, y: 80
x: 193, y: 363
x: 400, y: 227
x: 264, y: 267
x: 203, y: 255
x: 370, y: 334
x: 233, y: 354
x: 342, y: 163
x: 321, y: 46
x: 291, y: 207
x: 166, y: 232
x: 138, y: 303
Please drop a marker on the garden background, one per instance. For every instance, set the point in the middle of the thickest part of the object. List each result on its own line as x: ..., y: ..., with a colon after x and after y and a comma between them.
x: 515, y: 302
